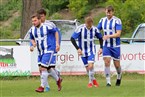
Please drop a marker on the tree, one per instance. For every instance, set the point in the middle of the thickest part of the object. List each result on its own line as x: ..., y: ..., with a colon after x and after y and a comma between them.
x: 29, y: 8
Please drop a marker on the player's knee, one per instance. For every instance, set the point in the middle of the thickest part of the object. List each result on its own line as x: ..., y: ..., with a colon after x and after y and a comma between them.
x: 107, y: 62
x: 90, y: 66
x: 42, y: 68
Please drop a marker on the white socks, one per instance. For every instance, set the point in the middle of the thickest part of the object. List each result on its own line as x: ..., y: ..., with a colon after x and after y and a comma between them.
x: 43, y: 78
x: 91, y: 75
x: 53, y: 73
x: 107, y: 74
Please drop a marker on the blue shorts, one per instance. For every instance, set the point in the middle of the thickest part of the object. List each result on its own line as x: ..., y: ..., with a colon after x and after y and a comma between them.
x: 113, y: 52
x: 45, y: 59
x: 53, y: 60
x: 88, y: 59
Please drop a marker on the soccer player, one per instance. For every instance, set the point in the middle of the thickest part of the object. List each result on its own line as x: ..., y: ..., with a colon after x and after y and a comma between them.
x: 86, y: 47
x: 47, y: 41
x: 42, y: 13
x: 111, y: 26
x: 52, y: 65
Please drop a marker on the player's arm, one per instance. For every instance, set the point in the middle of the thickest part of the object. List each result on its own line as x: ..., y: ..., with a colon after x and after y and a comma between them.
x: 99, y: 36
x: 117, y: 34
x: 53, y: 30
x: 74, y: 36
x: 99, y: 26
x: 58, y: 31
x: 76, y: 46
x: 57, y: 41
x: 32, y: 42
x: 118, y: 27
x: 73, y: 41
x: 32, y: 45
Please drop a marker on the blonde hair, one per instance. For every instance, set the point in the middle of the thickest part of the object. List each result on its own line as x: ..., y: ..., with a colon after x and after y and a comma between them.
x: 110, y: 8
x: 89, y: 19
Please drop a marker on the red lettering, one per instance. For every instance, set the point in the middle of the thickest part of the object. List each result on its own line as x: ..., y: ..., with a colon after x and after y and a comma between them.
x: 123, y: 57
x: 71, y: 57
x: 62, y: 58
x: 143, y: 56
x: 2, y: 64
x: 65, y: 57
x: 139, y: 55
x: 130, y: 56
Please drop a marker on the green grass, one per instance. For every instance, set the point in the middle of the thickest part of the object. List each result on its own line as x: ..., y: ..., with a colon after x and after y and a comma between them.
x: 73, y: 86
x: 8, y: 44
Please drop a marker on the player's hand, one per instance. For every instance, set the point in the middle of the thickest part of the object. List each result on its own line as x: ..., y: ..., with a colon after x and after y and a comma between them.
x: 32, y: 48
x: 105, y: 37
x: 33, y: 43
x: 57, y: 47
x: 80, y: 52
x: 100, y: 51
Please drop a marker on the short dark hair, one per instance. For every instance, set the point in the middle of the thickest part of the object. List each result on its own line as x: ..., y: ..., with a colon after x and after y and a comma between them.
x: 110, y: 8
x: 36, y: 15
x: 41, y: 11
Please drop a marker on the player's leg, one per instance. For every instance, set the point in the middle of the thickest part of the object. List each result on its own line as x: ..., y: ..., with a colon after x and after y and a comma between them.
x: 45, y: 61
x: 53, y: 64
x: 116, y: 60
x: 43, y: 79
x: 91, y: 60
x: 41, y: 88
x: 55, y: 76
x: 85, y: 61
x: 107, y: 61
x: 47, y: 87
x: 54, y: 72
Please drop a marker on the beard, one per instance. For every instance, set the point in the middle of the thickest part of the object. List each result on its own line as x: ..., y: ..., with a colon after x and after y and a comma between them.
x: 109, y: 17
x: 38, y: 25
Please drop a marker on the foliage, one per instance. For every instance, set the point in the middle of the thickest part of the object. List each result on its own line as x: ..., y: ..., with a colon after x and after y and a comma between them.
x: 80, y: 7
x: 56, y: 16
x: 5, y: 33
x: 97, y: 18
x: 8, y: 8
x: 131, y: 12
x: 54, y: 5
x: 8, y: 32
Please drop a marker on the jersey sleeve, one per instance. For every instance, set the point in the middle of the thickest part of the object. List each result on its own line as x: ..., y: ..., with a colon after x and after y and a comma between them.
x: 76, y: 33
x: 53, y: 25
x: 50, y: 29
x: 98, y: 34
x: 31, y: 35
x: 99, y: 26
x: 50, y: 24
x: 118, y: 24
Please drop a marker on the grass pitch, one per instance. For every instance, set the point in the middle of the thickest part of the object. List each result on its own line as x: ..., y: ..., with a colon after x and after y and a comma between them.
x: 133, y: 85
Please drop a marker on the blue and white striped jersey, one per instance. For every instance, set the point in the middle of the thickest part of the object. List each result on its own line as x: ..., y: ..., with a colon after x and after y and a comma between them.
x: 50, y: 24
x: 53, y: 26
x: 109, y: 27
x: 86, y: 39
x: 44, y: 37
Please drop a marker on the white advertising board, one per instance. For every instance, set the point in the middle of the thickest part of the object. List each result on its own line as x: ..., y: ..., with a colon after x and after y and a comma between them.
x: 18, y: 60
x: 68, y: 61
x: 15, y: 61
